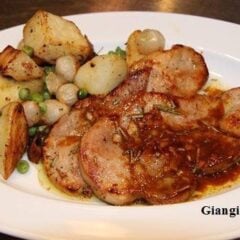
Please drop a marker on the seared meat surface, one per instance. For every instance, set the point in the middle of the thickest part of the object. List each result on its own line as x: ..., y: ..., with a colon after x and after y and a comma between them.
x: 180, y: 71
x: 61, y: 152
x: 231, y: 120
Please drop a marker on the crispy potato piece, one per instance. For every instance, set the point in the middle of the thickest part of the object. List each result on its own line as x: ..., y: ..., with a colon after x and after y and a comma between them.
x: 13, y: 139
x: 101, y: 74
x: 133, y: 53
x: 9, y: 89
x: 52, y: 36
x: 18, y: 65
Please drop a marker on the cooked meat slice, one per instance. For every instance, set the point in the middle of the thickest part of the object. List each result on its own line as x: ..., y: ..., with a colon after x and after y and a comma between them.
x: 61, y: 163
x: 194, y: 112
x: 163, y: 177
x: 231, y: 99
x: 122, y: 171
x: 161, y: 170
x: 134, y: 84
x: 230, y: 123
x: 180, y: 71
x: 178, y: 113
x: 104, y: 166
x: 143, y: 103
x: 60, y: 152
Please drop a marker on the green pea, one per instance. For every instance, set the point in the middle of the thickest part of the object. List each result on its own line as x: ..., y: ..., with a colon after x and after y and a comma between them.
x: 46, y: 95
x: 118, y: 51
x: 82, y: 93
x: 32, y: 131
x: 28, y: 50
x: 24, y: 94
x: 37, y: 97
x: 43, y: 107
x: 48, y: 69
x: 23, y: 166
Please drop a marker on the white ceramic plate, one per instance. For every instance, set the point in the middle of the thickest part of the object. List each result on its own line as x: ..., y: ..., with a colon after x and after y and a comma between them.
x: 28, y: 210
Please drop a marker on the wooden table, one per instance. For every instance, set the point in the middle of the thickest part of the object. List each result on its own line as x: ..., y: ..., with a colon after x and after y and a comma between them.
x: 14, y: 12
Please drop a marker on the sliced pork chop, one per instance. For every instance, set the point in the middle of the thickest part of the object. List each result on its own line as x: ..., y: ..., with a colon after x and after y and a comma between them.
x: 104, y: 166
x: 120, y: 172
x: 179, y: 71
x: 60, y: 152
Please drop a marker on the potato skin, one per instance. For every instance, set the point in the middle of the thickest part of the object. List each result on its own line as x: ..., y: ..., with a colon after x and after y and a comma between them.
x: 14, y: 137
x: 101, y: 74
x: 18, y: 65
x: 9, y: 89
x: 133, y: 53
x: 52, y: 37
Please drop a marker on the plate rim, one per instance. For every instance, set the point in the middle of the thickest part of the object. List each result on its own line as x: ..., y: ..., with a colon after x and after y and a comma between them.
x: 21, y: 233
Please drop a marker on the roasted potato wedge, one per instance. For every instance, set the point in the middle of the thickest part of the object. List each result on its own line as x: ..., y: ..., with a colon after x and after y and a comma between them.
x: 13, y: 141
x: 101, y: 74
x: 9, y: 89
x: 133, y: 54
x: 52, y: 36
x: 18, y: 65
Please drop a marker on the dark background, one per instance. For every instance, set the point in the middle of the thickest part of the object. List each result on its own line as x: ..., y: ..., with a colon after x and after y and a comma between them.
x: 14, y: 12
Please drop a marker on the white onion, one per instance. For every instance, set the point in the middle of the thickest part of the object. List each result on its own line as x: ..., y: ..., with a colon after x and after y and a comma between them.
x: 54, y: 110
x: 67, y: 94
x: 66, y: 66
x: 32, y: 112
x: 149, y: 41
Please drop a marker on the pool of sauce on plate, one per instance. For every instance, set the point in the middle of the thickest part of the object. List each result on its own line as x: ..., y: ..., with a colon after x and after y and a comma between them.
x: 219, y: 183
x: 46, y: 184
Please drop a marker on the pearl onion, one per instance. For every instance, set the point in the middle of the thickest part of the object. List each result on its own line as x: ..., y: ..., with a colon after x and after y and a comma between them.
x: 32, y: 112
x: 54, y: 111
x: 66, y: 66
x: 149, y: 41
x: 67, y: 94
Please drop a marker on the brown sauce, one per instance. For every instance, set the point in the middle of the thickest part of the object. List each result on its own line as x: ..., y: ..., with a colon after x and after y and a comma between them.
x: 230, y: 176
x: 213, y: 154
